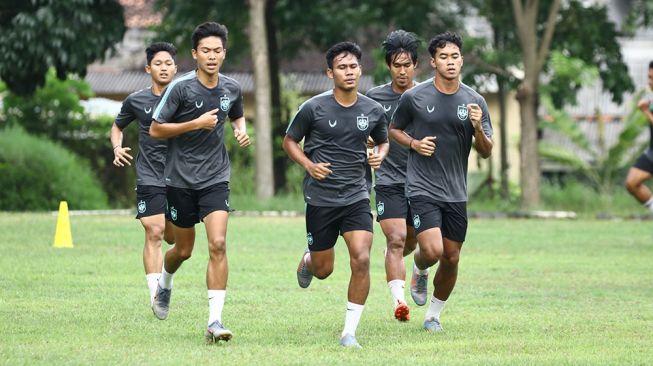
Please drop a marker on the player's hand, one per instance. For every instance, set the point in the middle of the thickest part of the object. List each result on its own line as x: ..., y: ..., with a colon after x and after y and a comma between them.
x: 425, y: 146
x: 208, y: 120
x: 475, y: 115
x: 242, y: 137
x: 319, y: 171
x: 374, y: 159
x: 370, y: 142
x: 121, y: 156
x: 643, y: 104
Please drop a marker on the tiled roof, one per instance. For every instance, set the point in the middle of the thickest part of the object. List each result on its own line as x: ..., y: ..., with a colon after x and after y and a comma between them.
x: 126, y: 82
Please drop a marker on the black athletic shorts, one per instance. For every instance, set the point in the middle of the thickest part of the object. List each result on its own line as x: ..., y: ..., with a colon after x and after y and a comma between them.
x: 391, y: 203
x: 150, y: 201
x: 324, y: 224
x: 450, y: 217
x: 644, y: 163
x: 189, y: 206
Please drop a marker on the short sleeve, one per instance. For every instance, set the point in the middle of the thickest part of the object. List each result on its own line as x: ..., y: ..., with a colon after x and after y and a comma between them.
x: 236, y: 110
x: 380, y: 132
x: 300, y: 124
x: 486, y: 121
x: 402, y: 116
x: 126, y: 115
x: 168, y: 104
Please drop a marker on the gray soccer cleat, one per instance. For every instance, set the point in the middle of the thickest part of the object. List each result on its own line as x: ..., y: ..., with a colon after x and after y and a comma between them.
x: 304, y: 275
x: 418, y: 287
x: 349, y: 341
x: 217, y: 332
x: 161, y: 304
x: 432, y: 325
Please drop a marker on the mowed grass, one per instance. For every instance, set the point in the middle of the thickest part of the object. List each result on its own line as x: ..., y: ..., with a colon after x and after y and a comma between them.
x: 529, y: 292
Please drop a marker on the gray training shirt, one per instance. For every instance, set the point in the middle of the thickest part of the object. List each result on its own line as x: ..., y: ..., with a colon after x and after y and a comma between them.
x: 426, y: 111
x: 338, y: 135
x: 151, y: 158
x: 393, y: 168
x: 198, y: 159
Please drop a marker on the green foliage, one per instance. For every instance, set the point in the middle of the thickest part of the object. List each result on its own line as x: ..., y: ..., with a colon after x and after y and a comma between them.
x: 35, y: 174
x: 640, y: 15
x: 606, y: 166
x: 66, y: 35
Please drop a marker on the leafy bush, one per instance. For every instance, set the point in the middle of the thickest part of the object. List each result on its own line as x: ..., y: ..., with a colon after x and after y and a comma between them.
x: 35, y: 174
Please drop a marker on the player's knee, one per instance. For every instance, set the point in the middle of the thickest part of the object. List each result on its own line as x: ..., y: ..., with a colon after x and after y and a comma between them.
x: 360, y: 262
x: 184, y: 254
x: 631, y: 185
x: 450, y: 259
x: 430, y: 254
x: 154, y: 233
x: 217, y: 246
x: 396, y: 241
x: 322, y: 272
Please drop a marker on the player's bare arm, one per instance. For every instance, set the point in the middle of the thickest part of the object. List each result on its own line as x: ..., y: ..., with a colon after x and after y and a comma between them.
x: 240, y: 132
x: 645, y: 106
x: 482, y: 143
x: 206, y: 121
x: 317, y: 171
x: 425, y: 146
x: 375, y: 158
x: 120, y: 154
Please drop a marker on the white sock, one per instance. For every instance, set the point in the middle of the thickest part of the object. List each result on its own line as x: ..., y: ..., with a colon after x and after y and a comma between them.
x: 352, y: 317
x: 216, y: 303
x: 435, y: 308
x: 421, y: 271
x: 649, y: 204
x: 165, y: 281
x: 152, y: 281
x: 397, y: 291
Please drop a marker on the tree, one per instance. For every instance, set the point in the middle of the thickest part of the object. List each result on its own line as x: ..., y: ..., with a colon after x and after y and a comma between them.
x: 259, y: 50
x: 67, y: 35
x: 535, y: 28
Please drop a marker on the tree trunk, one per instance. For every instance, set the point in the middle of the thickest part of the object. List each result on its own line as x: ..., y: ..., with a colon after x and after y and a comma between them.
x: 503, y: 135
x: 263, y: 123
x: 529, y: 164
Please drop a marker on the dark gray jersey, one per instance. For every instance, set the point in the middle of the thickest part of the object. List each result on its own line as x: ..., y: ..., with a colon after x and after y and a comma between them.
x: 198, y: 159
x: 428, y: 112
x: 151, y: 158
x: 393, y: 168
x: 338, y: 135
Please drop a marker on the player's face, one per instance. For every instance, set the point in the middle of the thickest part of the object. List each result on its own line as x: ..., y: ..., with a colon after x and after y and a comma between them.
x: 162, y: 68
x: 447, y: 62
x: 346, y: 72
x: 402, y: 70
x: 650, y: 78
x: 210, y: 54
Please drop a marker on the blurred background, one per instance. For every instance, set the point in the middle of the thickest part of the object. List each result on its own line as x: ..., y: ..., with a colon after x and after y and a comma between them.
x: 561, y: 79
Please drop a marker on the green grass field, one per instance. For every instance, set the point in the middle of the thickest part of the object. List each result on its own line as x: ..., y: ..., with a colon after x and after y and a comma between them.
x: 529, y: 292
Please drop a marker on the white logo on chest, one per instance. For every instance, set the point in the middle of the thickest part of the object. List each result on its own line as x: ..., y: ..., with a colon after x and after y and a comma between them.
x: 147, y: 111
x: 332, y: 125
x: 430, y: 109
x: 362, y: 122
x: 387, y: 107
x: 198, y: 106
x: 462, y: 112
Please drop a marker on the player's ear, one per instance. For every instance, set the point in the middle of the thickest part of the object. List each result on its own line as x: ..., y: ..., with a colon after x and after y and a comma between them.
x: 329, y: 73
x: 194, y: 53
x: 433, y: 63
x: 148, y: 69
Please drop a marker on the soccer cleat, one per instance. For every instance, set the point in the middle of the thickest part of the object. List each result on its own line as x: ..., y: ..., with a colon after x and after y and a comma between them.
x: 402, y: 312
x: 161, y: 304
x: 217, y: 332
x: 304, y: 275
x: 432, y: 325
x: 418, y: 287
x: 349, y: 341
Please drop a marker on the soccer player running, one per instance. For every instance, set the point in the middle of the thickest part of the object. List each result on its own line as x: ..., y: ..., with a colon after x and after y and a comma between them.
x: 437, y: 120
x: 192, y: 115
x: 335, y: 127
x: 150, y: 162
x: 393, y: 212
x: 642, y: 170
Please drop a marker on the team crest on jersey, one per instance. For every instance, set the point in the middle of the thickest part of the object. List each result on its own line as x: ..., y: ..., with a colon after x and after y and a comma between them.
x: 462, y: 112
x: 309, y: 239
x: 380, y: 208
x: 416, y: 221
x: 224, y: 103
x: 362, y: 122
x: 141, y: 206
x: 173, y: 213
x: 146, y: 110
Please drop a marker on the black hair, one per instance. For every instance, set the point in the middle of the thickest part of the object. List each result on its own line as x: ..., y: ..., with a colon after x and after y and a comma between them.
x: 209, y: 29
x: 338, y: 48
x: 157, y: 47
x: 650, y: 65
x: 441, y: 40
x: 399, y: 42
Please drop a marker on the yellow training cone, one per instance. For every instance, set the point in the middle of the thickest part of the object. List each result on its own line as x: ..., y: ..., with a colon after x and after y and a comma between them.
x: 62, y: 236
